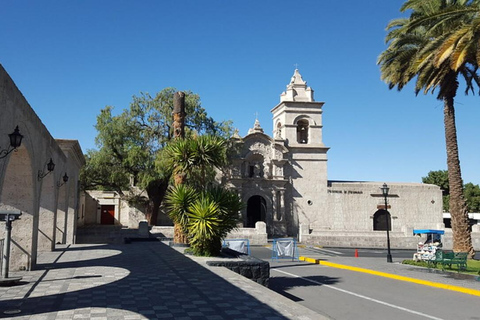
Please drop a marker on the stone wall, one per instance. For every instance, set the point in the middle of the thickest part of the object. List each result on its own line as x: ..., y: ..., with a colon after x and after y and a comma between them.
x: 351, y: 206
x: 162, y: 232
x: 378, y: 239
x: 249, y: 267
x: 49, y: 207
x: 256, y: 236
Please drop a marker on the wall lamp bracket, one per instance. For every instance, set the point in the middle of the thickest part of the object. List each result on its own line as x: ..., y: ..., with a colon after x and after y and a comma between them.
x: 65, y: 180
x: 42, y: 173
x: 15, y: 142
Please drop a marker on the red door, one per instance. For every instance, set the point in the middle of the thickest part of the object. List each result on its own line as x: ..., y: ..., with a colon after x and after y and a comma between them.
x: 108, y: 215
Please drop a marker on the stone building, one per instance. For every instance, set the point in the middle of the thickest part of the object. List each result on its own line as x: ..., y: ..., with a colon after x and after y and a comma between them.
x: 283, y: 181
x: 39, y: 178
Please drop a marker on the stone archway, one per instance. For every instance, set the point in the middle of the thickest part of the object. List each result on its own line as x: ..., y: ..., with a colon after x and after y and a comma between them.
x: 256, y: 211
x: 380, y: 221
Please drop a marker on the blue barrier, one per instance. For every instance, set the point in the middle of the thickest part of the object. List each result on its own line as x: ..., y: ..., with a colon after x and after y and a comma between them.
x: 239, y: 245
x: 285, y: 248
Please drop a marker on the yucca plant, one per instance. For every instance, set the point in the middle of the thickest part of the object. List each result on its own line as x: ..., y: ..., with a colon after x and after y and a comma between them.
x: 206, y: 216
x: 229, y: 204
x: 211, y: 217
x: 193, y: 161
x: 178, y: 201
x: 204, y: 226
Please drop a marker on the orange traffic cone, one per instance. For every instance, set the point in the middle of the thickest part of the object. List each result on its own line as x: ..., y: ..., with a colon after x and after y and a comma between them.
x: 356, y: 253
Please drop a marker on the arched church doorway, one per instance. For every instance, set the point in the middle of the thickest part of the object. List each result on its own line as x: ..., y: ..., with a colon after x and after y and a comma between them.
x: 256, y: 210
x: 380, y: 221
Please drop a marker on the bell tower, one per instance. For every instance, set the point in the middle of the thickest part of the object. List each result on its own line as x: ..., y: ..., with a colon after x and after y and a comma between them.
x: 297, y: 120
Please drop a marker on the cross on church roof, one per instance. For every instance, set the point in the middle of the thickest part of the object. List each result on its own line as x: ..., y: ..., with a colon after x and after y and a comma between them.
x: 296, y: 65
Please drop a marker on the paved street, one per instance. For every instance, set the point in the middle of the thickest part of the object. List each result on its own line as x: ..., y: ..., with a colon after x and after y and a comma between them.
x: 342, y: 292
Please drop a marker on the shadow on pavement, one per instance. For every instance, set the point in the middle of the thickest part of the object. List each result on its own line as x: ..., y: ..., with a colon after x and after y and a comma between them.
x: 147, y: 278
x: 283, y: 284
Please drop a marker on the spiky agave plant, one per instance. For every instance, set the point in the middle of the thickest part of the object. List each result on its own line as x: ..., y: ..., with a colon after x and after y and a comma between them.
x: 204, y: 226
x: 178, y: 200
x: 211, y: 217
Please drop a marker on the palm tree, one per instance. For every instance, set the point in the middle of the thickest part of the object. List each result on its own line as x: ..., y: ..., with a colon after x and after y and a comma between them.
x: 459, y: 21
x: 414, y: 45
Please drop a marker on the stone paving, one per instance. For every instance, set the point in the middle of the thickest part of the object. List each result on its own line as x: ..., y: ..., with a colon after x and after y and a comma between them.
x: 144, y: 280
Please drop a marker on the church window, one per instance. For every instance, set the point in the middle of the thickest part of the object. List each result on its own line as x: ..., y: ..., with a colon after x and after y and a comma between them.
x: 302, y: 131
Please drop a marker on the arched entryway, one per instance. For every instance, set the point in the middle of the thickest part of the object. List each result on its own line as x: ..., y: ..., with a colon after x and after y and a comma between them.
x: 256, y: 211
x: 380, y: 221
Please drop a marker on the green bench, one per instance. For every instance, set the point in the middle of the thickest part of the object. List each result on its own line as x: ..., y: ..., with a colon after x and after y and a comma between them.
x: 449, y: 259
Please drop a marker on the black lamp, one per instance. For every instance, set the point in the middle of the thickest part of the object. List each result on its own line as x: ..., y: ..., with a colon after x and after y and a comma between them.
x: 65, y: 179
x: 15, y: 142
x: 50, y: 168
x: 385, y: 190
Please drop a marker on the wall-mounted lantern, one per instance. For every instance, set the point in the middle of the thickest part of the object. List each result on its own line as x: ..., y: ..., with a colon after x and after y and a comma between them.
x: 65, y: 180
x: 50, y: 166
x: 15, y: 142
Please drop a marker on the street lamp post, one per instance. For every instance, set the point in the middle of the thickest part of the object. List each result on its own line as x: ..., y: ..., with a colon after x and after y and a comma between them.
x: 385, y: 190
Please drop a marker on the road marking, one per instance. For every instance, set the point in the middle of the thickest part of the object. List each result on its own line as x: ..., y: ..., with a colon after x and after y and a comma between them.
x: 361, y: 296
x: 322, y: 249
x: 393, y: 276
x: 336, y: 252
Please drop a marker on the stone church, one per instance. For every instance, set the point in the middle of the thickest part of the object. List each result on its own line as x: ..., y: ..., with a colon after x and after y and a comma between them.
x: 283, y: 182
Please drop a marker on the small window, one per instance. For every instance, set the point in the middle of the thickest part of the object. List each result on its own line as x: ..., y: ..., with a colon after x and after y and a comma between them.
x: 302, y: 131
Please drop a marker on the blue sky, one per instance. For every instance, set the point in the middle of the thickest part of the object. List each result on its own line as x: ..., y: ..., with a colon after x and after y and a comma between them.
x: 70, y: 59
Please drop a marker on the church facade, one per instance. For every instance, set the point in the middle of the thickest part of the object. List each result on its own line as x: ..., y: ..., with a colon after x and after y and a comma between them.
x: 283, y: 182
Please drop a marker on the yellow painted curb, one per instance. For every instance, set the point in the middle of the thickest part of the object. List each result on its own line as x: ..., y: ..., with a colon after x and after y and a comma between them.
x: 392, y: 276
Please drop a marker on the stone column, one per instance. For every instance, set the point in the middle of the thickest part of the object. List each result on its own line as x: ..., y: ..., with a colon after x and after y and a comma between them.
x: 282, y: 205
x: 274, y: 202
x: 243, y: 213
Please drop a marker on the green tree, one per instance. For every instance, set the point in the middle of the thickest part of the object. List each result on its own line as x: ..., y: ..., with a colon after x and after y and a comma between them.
x: 471, y: 191
x: 130, y: 146
x: 440, y: 178
x: 413, y: 43
x: 472, y: 196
